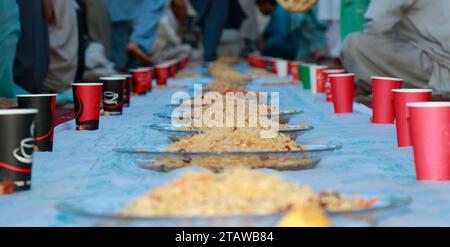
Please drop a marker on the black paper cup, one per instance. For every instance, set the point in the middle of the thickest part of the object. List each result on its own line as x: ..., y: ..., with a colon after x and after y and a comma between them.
x: 113, y: 95
x: 87, y: 98
x: 44, y: 120
x: 16, y: 149
x: 269, y: 64
x: 127, y: 90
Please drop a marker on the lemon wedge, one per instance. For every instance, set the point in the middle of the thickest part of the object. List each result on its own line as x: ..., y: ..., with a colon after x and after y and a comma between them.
x: 305, y: 217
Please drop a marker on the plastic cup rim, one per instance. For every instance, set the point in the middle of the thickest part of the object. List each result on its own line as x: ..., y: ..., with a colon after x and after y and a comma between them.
x: 341, y: 75
x: 18, y: 111
x: 87, y: 84
x: 412, y: 90
x: 386, y: 78
x: 35, y: 95
x: 113, y: 78
x: 334, y: 71
x: 428, y: 104
x: 140, y: 70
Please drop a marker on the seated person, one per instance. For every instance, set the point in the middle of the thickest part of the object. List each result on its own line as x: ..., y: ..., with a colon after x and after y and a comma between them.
x: 63, y: 36
x: 403, y: 38
x: 168, y: 44
x: 9, y: 36
x: 213, y: 17
x: 310, y: 35
x: 135, y: 24
x: 32, y: 54
x: 292, y: 36
x: 277, y: 39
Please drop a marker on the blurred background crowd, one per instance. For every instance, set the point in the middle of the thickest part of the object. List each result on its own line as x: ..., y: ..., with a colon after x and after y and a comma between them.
x: 46, y: 45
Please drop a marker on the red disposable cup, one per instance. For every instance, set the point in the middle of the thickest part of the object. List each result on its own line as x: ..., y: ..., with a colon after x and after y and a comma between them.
x: 172, y: 70
x: 87, y: 99
x: 327, y: 85
x: 128, y: 86
x: 179, y: 64
x: 294, y: 70
x: 162, y: 74
x: 430, y: 135
x: 251, y: 60
x: 140, y: 81
x: 342, y: 88
x: 401, y: 98
x: 260, y: 63
x: 383, y: 99
x: 320, y: 78
x: 274, y: 66
x: 150, y: 75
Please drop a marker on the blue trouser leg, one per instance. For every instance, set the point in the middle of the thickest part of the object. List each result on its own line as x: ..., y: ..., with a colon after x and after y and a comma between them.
x: 120, y: 38
x: 213, y: 18
x: 216, y: 20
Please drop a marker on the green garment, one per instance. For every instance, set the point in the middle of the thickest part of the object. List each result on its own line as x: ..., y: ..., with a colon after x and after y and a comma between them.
x: 9, y: 36
x: 309, y: 33
x: 294, y: 36
x: 278, y: 35
x: 353, y: 16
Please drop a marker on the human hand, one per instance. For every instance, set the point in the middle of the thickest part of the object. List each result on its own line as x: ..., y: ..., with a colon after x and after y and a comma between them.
x: 49, y: 12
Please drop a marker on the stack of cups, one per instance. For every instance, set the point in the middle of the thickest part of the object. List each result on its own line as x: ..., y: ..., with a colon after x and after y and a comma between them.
x: 113, y: 95
x: 401, y: 98
x: 140, y: 81
x: 149, y: 78
x: 172, y: 69
x: 162, y: 74
x: 128, y: 88
x: 259, y: 62
x: 294, y: 70
x: 317, y: 78
x: 16, y: 151
x: 44, y: 120
x: 430, y: 135
x: 383, y: 99
x: 87, y: 98
x: 327, y: 82
x: 342, y: 88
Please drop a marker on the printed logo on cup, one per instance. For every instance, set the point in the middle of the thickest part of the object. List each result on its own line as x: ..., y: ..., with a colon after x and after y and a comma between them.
x: 24, y: 153
x: 110, y: 98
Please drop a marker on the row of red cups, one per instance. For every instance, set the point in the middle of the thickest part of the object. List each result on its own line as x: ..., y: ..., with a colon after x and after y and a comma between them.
x: 114, y: 92
x: 422, y: 124
x: 30, y: 128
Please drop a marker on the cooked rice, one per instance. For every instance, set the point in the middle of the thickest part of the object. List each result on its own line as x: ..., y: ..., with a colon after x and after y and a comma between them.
x: 225, y: 72
x: 234, y: 140
x: 235, y: 192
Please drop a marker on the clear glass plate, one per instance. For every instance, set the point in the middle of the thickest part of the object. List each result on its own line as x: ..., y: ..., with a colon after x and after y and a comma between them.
x: 103, y: 211
x: 284, y: 117
x: 282, y: 161
x: 175, y: 134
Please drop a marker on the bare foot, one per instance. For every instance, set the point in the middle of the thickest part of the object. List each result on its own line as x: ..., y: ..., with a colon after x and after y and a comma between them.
x: 136, y: 52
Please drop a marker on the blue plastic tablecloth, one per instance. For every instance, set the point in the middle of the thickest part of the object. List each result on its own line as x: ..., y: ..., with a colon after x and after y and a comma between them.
x: 83, y: 164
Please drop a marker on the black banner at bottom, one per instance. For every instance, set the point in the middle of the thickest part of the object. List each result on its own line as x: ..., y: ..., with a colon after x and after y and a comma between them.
x: 228, y: 237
